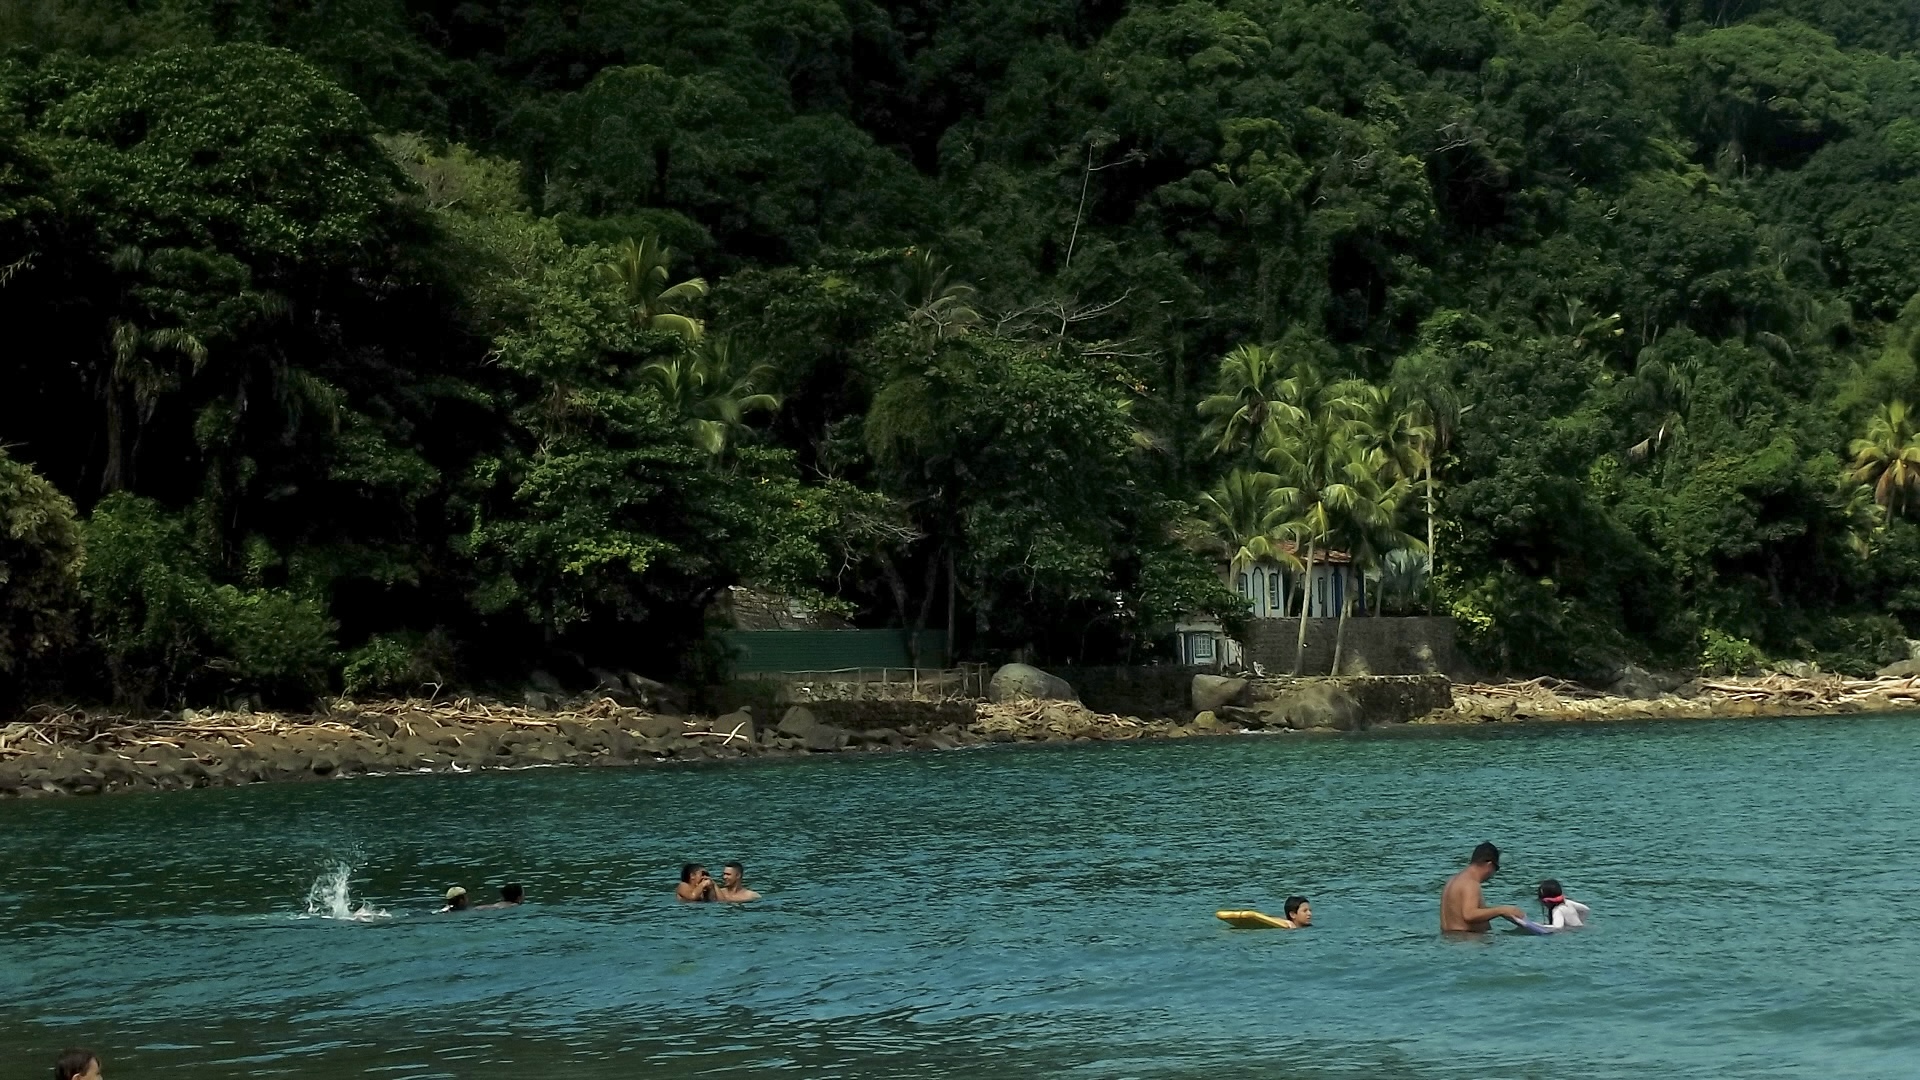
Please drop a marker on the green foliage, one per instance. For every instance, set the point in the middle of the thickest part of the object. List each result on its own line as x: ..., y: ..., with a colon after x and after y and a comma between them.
x: 400, y: 663
x: 237, y: 147
x: 1723, y: 654
x: 369, y: 309
x: 40, y: 560
x: 1766, y: 93
x: 172, y: 633
x: 1856, y: 644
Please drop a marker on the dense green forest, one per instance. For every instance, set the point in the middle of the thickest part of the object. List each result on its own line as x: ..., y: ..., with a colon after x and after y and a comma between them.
x: 359, y: 344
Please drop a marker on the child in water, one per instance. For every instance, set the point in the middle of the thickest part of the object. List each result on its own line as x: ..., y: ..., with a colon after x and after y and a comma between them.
x: 1561, y: 912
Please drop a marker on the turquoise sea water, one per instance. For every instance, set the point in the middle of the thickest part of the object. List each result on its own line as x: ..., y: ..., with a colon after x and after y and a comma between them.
x: 1005, y: 912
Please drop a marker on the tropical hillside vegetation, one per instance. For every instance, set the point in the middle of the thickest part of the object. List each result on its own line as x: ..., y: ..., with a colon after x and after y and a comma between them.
x: 361, y: 344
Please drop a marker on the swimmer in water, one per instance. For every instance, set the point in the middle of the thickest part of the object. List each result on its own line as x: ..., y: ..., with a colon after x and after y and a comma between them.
x: 1461, y: 909
x: 733, y: 886
x: 1562, y: 912
x: 1299, y: 913
x: 696, y: 886
x: 77, y: 1064
x: 456, y: 900
x: 510, y: 896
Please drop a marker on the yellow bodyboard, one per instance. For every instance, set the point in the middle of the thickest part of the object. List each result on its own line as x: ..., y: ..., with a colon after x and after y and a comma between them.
x: 1251, y: 920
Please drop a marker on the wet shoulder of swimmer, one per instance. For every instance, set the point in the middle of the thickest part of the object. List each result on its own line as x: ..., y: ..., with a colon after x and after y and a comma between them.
x: 698, y: 887
x: 510, y: 896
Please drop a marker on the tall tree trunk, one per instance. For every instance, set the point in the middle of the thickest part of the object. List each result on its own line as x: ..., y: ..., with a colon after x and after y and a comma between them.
x: 953, y: 590
x: 926, y: 609
x: 113, y: 476
x: 1340, y: 635
x: 1433, y: 564
x: 1306, y: 602
x: 896, y: 585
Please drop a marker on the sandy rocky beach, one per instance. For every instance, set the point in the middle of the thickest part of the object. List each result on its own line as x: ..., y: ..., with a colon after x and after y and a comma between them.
x: 69, y: 751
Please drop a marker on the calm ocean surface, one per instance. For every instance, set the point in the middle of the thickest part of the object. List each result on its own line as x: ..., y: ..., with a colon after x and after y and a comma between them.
x: 1007, y: 912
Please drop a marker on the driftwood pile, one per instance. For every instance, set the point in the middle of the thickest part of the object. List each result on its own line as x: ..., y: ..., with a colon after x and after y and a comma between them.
x: 46, y: 726
x: 1057, y: 720
x: 1767, y: 695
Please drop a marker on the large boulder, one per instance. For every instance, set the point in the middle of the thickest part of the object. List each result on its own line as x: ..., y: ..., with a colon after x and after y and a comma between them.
x: 1311, y: 706
x: 735, y: 726
x: 1210, y: 692
x: 796, y: 722
x: 659, y: 727
x: 653, y: 694
x: 823, y: 738
x: 1023, y: 682
x: 1635, y: 683
x: 607, y: 684
x: 1900, y: 669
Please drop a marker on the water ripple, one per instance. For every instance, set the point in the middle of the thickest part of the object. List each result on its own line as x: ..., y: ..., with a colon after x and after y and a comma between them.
x: 1001, y: 913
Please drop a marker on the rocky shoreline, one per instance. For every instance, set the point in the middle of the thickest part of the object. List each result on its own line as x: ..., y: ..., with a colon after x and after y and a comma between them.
x: 70, y: 752
x: 54, y: 752
x: 1731, y: 698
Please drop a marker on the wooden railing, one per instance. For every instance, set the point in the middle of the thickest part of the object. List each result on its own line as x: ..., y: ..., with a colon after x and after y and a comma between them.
x: 967, y: 682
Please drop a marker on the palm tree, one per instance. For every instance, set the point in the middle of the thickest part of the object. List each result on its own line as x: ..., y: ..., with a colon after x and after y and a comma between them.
x: 1402, y: 579
x: 639, y: 270
x: 1889, y: 457
x: 1239, y: 509
x: 712, y: 401
x: 1664, y: 392
x: 1245, y: 392
x: 1583, y: 326
x: 937, y: 306
x: 1309, y: 449
x: 1864, y: 517
x: 1393, y: 431
x: 135, y: 378
x: 1370, y: 529
x: 1427, y: 381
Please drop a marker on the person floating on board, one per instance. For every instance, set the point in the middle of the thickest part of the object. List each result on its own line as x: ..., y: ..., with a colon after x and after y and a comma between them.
x: 456, y: 900
x: 696, y: 886
x: 77, y: 1064
x: 510, y: 896
x: 1299, y: 916
x: 733, y: 887
x: 1461, y: 909
x: 1562, y: 911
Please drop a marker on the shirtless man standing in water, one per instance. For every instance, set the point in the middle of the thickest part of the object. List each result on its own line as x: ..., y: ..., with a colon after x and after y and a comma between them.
x: 1461, y: 910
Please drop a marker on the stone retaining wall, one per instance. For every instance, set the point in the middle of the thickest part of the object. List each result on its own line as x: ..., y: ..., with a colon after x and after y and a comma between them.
x: 1373, y: 646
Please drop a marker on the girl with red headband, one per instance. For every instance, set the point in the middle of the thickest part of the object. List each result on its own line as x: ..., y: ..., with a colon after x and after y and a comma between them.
x: 1562, y: 913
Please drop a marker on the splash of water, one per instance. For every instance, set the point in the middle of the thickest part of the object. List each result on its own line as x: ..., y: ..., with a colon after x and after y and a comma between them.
x: 330, y: 896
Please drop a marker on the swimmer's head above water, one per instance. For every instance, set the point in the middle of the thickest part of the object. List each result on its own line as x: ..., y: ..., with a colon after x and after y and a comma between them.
x: 77, y: 1064
x: 1298, y: 911
x: 1485, y: 861
x: 1551, y: 895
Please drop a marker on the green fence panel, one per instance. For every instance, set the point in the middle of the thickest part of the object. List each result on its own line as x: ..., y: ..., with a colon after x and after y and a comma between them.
x: 762, y: 651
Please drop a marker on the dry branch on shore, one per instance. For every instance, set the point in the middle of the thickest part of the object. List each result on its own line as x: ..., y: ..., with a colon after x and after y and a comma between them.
x: 1768, y: 695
